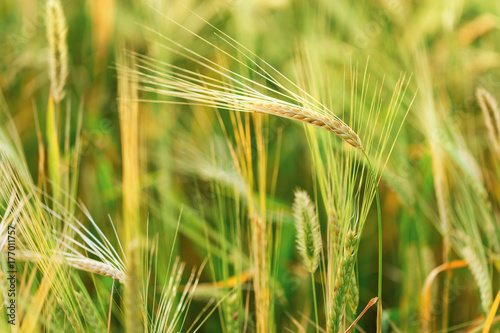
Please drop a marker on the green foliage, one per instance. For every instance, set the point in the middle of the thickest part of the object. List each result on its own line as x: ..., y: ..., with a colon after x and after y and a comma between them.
x: 162, y: 178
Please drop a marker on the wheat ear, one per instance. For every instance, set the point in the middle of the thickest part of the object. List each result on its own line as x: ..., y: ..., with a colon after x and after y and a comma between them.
x: 204, y: 90
x: 96, y: 267
x: 310, y: 117
x: 56, y: 34
x: 84, y: 264
x: 491, y: 114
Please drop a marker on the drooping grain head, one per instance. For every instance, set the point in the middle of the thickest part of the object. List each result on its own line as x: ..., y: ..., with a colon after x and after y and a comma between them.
x: 314, y: 118
x: 84, y: 264
x: 56, y: 34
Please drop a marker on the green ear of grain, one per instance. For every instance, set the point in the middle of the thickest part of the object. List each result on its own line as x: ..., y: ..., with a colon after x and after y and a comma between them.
x: 308, y: 242
x: 343, y: 282
x: 353, y: 296
x: 481, y: 275
x: 56, y: 34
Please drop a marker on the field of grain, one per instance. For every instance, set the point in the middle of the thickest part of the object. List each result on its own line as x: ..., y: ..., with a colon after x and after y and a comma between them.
x: 249, y: 166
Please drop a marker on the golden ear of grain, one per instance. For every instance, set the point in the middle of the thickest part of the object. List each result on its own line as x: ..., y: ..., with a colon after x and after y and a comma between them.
x: 56, y: 34
x: 96, y: 267
x: 491, y: 115
x: 84, y: 264
x: 314, y: 118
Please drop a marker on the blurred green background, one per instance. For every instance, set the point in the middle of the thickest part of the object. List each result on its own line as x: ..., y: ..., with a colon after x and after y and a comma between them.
x: 449, y: 47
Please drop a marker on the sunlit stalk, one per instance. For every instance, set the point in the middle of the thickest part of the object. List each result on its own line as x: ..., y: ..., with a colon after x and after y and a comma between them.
x: 53, y: 148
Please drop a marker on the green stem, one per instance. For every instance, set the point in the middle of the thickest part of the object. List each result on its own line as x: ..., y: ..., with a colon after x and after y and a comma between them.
x: 315, y: 303
x: 379, y: 217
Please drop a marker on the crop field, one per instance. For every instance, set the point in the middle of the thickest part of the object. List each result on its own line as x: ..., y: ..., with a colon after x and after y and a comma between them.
x: 249, y: 166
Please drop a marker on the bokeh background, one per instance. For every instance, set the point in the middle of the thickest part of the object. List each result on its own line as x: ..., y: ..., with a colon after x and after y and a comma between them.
x: 450, y: 48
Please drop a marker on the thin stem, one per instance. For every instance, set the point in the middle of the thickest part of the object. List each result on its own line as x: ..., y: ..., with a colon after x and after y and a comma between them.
x: 315, y: 303
x: 379, y: 217
x: 446, y: 299
x: 53, y: 147
x: 110, y: 304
